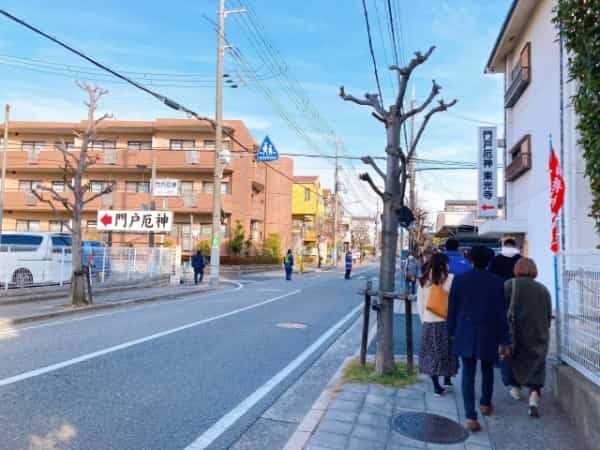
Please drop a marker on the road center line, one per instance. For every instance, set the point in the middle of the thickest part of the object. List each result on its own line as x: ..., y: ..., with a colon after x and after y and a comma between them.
x: 225, y: 422
x: 86, y: 357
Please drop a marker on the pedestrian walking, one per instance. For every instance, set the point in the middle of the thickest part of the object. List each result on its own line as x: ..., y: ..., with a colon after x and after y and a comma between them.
x: 529, y: 319
x: 436, y: 357
x: 457, y: 261
x: 288, y: 264
x: 503, y: 264
x: 411, y: 273
x: 478, y: 325
x: 198, y: 265
x: 348, y: 265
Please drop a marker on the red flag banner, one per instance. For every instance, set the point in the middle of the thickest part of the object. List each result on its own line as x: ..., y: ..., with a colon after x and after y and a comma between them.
x: 557, y: 196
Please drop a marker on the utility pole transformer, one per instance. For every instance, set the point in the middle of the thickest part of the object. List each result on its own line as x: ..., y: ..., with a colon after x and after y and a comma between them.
x: 392, y: 196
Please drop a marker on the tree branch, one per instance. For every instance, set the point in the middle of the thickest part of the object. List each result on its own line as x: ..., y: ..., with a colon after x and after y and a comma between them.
x: 440, y: 108
x: 371, y: 100
x: 366, y: 177
x: 435, y: 90
x: 55, y: 196
x: 107, y: 190
x: 371, y: 162
x: 405, y: 72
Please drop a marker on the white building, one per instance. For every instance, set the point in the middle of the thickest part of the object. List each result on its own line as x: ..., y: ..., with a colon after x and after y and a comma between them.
x: 537, y: 103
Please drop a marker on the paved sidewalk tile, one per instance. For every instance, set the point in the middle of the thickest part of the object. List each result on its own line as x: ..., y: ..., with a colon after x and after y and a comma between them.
x: 337, y: 427
x: 346, y: 405
x: 331, y: 440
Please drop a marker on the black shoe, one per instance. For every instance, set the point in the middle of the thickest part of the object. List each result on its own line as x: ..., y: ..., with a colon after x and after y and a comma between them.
x: 534, y: 411
x: 438, y: 392
x: 448, y: 384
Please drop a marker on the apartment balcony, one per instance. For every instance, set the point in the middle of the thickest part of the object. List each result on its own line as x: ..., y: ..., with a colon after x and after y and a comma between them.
x: 116, y: 160
x: 520, y: 77
x: 521, y: 159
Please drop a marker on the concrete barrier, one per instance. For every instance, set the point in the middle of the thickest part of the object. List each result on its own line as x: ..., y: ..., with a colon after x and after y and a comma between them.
x: 33, y: 294
x: 580, y: 399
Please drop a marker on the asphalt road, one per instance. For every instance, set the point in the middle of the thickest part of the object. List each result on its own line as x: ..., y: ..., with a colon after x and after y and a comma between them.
x: 191, y: 373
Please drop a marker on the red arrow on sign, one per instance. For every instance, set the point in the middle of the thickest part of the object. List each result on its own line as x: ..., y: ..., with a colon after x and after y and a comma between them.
x: 106, y: 220
x: 487, y: 207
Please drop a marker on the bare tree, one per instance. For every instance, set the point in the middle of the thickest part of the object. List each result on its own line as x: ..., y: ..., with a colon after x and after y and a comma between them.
x: 394, y: 190
x: 418, y: 229
x: 77, y: 192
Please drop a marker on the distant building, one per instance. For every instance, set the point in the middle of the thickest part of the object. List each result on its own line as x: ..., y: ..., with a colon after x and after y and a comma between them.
x: 308, y: 212
x: 257, y: 196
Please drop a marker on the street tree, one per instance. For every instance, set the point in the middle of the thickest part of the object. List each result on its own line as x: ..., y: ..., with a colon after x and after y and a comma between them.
x: 77, y: 191
x: 419, y: 229
x: 236, y: 243
x: 394, y: 190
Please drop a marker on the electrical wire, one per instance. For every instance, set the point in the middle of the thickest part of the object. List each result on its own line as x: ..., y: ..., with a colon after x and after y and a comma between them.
x: 366, y: 14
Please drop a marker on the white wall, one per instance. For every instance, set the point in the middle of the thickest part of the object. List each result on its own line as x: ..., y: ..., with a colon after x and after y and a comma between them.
x: 537, y: 113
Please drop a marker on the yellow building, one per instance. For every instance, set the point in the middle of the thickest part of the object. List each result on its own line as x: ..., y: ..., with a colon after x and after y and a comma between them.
x: 308, y: 211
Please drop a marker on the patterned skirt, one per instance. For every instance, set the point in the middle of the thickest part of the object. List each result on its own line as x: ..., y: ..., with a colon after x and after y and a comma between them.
x: 436, y: 356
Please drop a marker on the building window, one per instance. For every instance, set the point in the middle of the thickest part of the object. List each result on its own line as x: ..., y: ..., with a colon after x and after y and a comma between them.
x: 59, y: 226
x: 28, y: 185
x: 208, y: 187
x: 102, y: 145
x: 99, y: 185
x: 58, y: 186
x: 205, y: 229
x: 306, y: 195
x: 210, y: 144
x: 225, y: 187
x: 139, y: 145
x: 69, y: 146
x: 28, y: 225
x: 33, y: 145
x: 182, y: 144
x: 137, y: 186
x: 91, y: 225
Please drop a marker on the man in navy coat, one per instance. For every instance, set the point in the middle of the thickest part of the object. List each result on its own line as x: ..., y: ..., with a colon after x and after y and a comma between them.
x: 478, y: 326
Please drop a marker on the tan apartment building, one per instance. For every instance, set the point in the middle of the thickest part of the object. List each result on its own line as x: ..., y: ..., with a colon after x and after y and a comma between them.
x: 254, y: 194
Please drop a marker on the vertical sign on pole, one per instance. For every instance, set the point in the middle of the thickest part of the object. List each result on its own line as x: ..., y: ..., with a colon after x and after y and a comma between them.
x: 487, y: 185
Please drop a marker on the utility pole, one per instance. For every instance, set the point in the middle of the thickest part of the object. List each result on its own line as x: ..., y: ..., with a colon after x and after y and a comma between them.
x: 412, y: 164
x: 4, y: 151
x: 336, y: 189
x: 151, y: 235
x: 395, y: 178
x: 215, y: 252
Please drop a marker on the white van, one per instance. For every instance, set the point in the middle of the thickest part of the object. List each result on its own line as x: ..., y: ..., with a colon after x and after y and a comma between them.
x: 35, y: 258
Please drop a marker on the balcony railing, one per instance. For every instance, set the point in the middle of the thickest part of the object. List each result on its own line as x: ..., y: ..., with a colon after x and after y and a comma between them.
x: 190, y: 200
x: 192, y: 157
x: 520, y: 77
x: 521, y: 159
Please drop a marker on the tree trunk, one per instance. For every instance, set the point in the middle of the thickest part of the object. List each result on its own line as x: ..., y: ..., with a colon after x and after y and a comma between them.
x: 384, y: 358
x: 78, y: 283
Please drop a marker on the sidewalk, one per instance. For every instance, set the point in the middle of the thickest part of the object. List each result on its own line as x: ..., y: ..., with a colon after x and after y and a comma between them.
x: 44, y: 309
x: 360, y: 417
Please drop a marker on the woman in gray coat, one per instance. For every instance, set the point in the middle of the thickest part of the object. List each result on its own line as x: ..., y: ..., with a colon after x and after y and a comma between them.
x: 529, y: 318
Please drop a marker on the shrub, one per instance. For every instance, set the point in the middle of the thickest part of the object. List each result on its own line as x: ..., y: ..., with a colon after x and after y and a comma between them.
x: 236, y: 243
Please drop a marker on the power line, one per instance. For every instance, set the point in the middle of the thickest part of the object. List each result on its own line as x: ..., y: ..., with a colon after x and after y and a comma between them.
x: 366, y: 14
x: 393, y: 28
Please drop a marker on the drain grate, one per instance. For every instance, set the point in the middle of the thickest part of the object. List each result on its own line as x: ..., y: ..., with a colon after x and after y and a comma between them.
x: 291, y: 325
x: 427, y: 427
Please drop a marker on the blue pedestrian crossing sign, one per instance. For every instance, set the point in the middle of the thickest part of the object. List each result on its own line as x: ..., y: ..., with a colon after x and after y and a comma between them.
x: 267, y: 151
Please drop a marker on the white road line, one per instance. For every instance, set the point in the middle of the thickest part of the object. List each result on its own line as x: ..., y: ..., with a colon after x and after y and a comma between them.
x: 125, y: 309
x: 86, y: 357
x: 225, y: 422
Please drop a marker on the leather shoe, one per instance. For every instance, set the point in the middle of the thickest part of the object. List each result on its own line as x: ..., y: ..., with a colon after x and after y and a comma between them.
x: 486, y: 410
x: 473, y: 425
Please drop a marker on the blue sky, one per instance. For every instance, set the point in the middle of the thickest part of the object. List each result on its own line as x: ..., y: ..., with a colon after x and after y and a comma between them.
x: 324, y: 44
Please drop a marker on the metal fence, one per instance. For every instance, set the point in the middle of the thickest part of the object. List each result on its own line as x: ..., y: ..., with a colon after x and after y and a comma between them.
x: 580, y: 313
x: 30, y: 266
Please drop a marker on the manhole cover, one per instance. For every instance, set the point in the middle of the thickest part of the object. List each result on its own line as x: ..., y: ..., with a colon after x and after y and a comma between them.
x: 429, y: 428
x: 292, y: 325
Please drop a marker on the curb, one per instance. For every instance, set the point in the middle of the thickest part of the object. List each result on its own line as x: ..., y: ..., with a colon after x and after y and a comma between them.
x: 102, y: 306
x: 311, y: 420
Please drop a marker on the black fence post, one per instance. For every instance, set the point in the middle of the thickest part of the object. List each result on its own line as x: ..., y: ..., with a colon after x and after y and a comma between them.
x: 409, y: 331
x: 365, y: 329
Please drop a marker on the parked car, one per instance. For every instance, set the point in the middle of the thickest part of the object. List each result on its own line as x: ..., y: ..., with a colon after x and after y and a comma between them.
x: 35, y: 258
x: 96, y: 254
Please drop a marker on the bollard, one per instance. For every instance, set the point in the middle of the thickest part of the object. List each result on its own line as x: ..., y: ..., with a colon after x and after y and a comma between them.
x: 409, y: 331
x: 365, y: 329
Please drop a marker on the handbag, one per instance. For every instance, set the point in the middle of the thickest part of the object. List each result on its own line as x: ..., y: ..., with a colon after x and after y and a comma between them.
x: 437, y: 303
